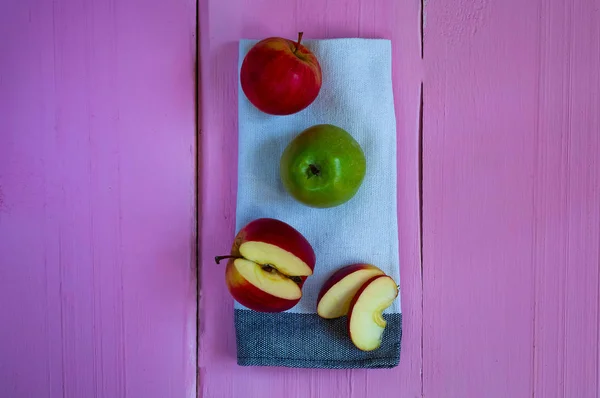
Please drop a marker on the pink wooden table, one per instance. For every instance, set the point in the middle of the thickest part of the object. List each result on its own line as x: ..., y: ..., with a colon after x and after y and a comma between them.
x: 104, y: 150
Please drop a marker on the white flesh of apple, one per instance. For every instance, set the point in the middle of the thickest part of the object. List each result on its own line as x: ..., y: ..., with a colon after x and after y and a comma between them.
x: 265, y: 253
x: 271, y: 282
x: 366, y: 320
x: 336, y: 301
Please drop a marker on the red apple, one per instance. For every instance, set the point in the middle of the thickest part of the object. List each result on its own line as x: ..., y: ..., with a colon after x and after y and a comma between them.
x: 268, y: 264
x: 279, y: 76
x: 365, y: 317
x: 341, y: 287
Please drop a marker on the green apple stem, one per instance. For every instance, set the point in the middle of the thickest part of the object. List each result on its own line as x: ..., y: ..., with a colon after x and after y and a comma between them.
x: 219, y: 258
x: 313, y: 171
x: 298, y: 42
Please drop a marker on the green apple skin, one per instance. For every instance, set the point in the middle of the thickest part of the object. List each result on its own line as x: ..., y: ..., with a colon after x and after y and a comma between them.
x: 323, y: 166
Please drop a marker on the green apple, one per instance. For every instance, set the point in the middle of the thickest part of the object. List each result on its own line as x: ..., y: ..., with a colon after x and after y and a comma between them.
x: 323, y: 166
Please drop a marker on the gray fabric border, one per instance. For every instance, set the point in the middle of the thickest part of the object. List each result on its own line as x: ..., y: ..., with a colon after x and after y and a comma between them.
x: 309, y: 341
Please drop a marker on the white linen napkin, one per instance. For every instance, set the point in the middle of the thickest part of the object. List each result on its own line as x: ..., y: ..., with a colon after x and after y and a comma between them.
x: 357, y: 96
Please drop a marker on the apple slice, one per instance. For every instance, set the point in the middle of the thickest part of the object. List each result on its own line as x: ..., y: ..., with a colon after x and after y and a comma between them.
x: 262, y: 288
x: 365, y: 318
x: 270, y: 241
x: 337, y: 292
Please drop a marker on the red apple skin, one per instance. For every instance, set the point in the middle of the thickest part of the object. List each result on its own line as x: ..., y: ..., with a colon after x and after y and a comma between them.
x: 250, y: 296
x: 278, y: 233
x: 357, y: 295
x: 280, y: 76
x: 339, y: 275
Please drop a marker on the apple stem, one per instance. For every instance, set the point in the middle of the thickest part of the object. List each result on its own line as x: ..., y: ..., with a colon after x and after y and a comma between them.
x: 298, y: 42
x: 314, y: 170
x: 219, y: 258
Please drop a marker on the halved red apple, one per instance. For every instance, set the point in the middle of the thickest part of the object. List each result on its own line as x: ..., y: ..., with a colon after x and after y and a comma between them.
x: 365, y: 317
x: 269, y: 262
x: 337, y: 292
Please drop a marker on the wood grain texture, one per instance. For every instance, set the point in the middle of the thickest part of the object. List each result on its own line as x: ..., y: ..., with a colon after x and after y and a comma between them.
x: 222, y: 24
x: 97, y: 243
x: 511, y: 199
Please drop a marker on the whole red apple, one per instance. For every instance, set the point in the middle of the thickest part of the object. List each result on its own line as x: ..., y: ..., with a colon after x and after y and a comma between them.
x: 268, y: 264
x: 280, y: 77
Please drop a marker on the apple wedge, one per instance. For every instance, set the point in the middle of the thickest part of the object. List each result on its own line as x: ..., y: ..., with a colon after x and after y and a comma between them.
x: 261, y: 288
x: 365, y: 317
x: 268, y: 265
x: 270, y: 241
x: 337, y: 292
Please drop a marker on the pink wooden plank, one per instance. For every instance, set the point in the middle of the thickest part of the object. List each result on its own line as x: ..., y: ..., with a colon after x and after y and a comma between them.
x: 97, y: 279
x: 511, y: 194
x: 222, y: 24
x: 567, y: 201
